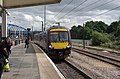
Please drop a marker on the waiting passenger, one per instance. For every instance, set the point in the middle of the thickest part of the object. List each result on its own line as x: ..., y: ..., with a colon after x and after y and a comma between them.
x: 26, y: 43
x: 7, y: 43
x: 3, y: 56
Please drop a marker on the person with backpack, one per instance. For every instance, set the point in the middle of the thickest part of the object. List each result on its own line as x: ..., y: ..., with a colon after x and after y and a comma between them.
x: 3, y: 56
x: 6, y: 44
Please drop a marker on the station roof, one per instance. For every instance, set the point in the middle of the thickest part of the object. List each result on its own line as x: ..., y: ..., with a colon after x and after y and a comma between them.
x: 8, y: 4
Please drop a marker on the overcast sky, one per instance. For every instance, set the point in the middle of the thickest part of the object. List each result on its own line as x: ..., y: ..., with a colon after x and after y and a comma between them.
x: 67, y: 12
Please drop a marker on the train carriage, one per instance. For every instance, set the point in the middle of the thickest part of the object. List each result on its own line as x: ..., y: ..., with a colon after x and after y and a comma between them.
x: 56, y: 41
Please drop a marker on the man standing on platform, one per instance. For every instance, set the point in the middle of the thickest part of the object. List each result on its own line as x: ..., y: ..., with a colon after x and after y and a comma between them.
x: 26, y: 43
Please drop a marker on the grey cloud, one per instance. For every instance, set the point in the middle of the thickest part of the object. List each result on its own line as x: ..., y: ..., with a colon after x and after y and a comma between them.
x: 77, y: 16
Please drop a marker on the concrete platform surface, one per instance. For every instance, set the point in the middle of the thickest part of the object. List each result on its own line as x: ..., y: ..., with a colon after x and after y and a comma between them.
x: 30, y: 63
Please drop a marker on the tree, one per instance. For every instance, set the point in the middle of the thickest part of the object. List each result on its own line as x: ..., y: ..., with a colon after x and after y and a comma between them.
x: 113, y: 27
x: 88, y: 33
x: 97, y: 26
x: 117, y: 33
x: 99, y: 38
x: 74, y: 32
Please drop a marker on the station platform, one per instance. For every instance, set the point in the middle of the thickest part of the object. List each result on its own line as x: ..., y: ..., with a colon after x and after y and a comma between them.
x: 31, y: 63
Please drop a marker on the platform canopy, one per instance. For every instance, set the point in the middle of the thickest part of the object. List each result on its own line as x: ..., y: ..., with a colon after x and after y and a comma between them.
x: 8, y: 4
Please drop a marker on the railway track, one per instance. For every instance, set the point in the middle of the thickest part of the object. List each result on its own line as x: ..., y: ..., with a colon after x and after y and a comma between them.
x: 100, y: 49
x: 70, y: 71
x: 102, y: 57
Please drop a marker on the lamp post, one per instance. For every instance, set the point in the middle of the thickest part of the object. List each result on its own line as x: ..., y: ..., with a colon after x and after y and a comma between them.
x: 32, y: 34
x: 83, y: 36
x: 42, y: 25
x: 9, y: 32
x: 28, y: 29
x: 45, y: 17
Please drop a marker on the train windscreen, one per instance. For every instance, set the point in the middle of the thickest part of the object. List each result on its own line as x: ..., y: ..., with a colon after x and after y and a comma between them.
x: 58, y: 36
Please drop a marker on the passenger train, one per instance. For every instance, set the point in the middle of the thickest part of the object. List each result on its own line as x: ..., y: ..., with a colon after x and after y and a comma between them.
x: 56, y: 41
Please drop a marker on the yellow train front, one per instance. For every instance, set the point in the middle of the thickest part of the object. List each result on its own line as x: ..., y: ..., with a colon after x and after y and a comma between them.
x: 57, y: 42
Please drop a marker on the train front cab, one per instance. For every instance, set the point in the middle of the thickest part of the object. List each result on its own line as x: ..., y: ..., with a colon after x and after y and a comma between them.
x: 59, y: 44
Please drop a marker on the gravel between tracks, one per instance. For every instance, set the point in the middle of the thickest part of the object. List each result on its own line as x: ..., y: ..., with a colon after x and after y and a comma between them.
x: 68, y: 72
x: 97, y: 69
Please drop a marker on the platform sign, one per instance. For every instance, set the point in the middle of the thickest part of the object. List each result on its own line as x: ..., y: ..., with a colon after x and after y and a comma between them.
x: 24, y: 3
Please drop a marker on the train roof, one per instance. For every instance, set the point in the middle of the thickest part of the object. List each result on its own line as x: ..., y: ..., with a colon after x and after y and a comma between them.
x: 57, y: 27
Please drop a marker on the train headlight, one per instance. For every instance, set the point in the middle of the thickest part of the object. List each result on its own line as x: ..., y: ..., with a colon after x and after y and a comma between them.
x: 69, y: 46
x: 50, y: 47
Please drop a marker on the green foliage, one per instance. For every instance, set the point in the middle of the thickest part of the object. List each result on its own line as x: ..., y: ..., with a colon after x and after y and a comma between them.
x: 99, y: 32
x: 99, y: 38
x: 76, y: 32
x: 117, y: 32
x: 88, y: 33
x: 113, y: 27
x: 97, y: 26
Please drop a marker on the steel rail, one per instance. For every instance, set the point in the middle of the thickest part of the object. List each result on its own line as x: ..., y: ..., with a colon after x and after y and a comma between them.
x: 101, y: 57
x: 74, y: 67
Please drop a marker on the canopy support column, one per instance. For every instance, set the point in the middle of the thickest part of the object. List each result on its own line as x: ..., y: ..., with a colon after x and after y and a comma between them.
x: 4, y: 24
